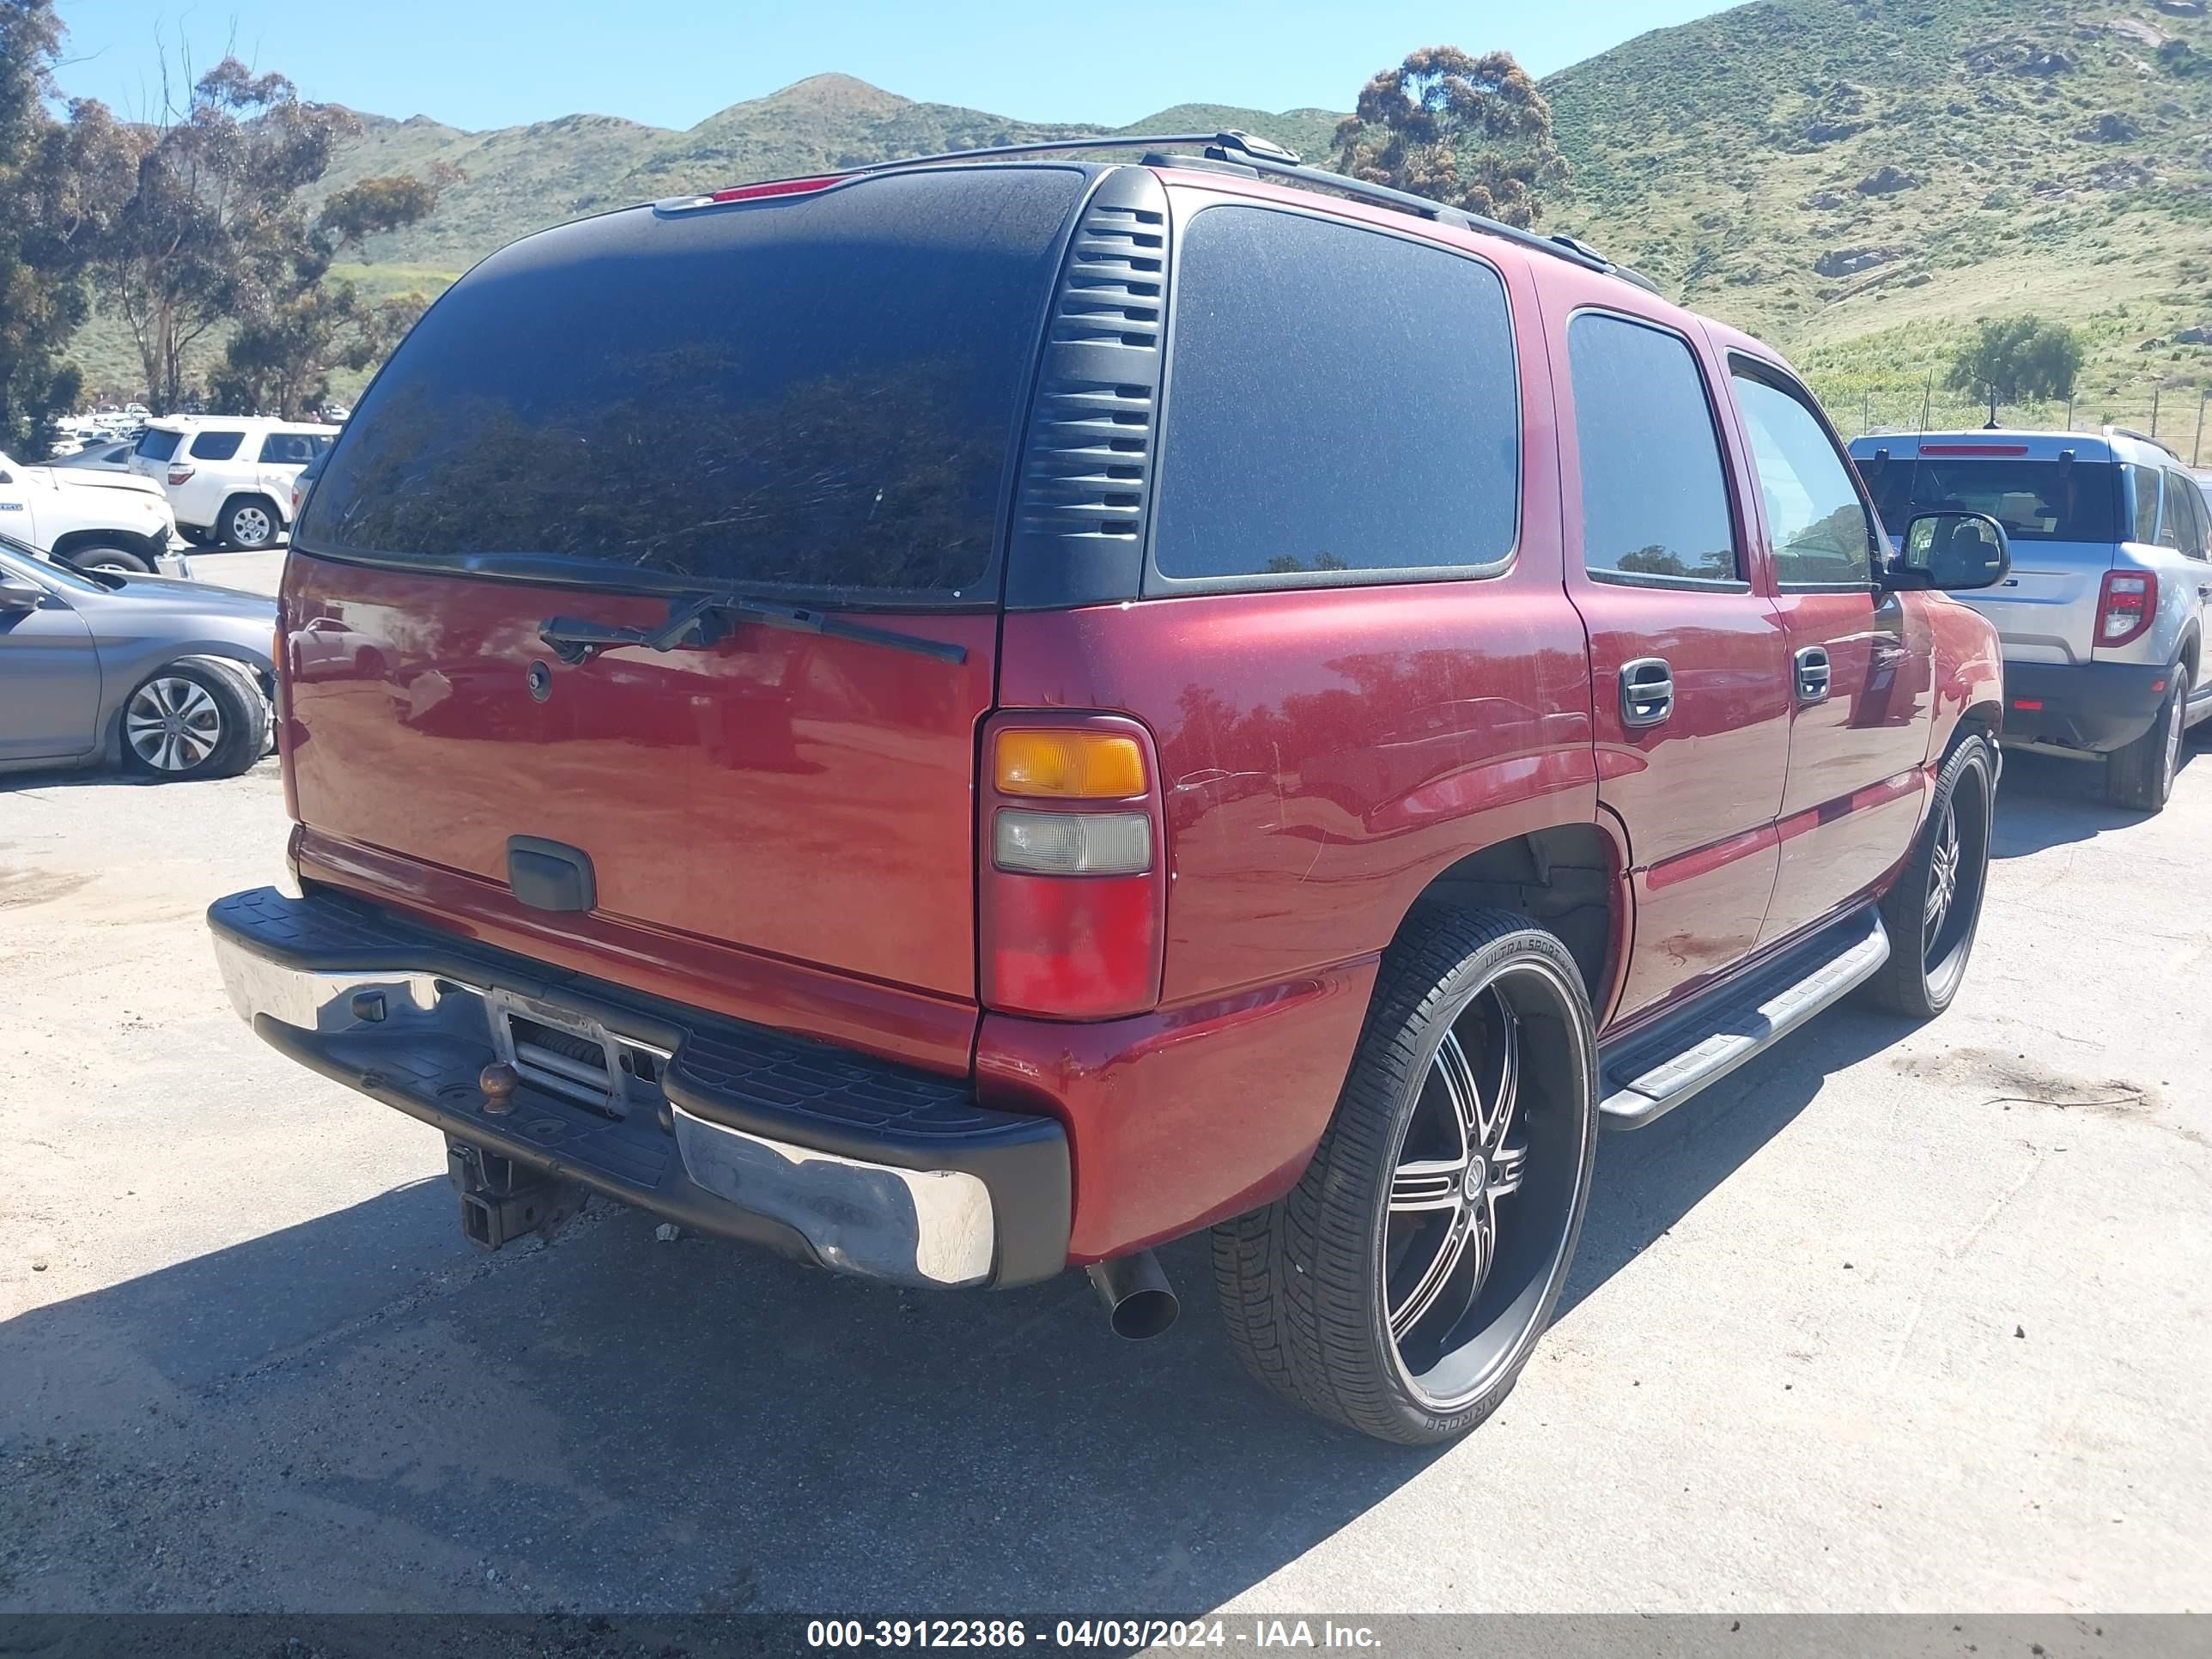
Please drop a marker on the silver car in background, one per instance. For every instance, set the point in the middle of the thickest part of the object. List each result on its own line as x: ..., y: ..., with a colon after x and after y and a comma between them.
x: 2104, y: 614
x: 169, y: 679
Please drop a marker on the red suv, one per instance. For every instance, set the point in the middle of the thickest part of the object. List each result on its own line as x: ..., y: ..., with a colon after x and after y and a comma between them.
x: 967, y: 719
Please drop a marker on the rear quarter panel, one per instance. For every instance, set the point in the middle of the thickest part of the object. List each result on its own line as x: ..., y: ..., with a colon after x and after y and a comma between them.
x: 1325, y: 754
x: 1968, y: 660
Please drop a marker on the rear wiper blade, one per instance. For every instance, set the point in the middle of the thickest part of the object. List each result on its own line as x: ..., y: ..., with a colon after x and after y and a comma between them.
x: 700, y: 623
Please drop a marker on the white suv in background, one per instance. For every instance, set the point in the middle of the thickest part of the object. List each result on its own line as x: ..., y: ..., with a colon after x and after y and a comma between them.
x: 229, y: 478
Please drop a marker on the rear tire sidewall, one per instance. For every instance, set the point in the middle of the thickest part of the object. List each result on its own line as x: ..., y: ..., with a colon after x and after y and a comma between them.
x: 1304, y: 1282
x: 2141, y: 775
x: 1909, y: 983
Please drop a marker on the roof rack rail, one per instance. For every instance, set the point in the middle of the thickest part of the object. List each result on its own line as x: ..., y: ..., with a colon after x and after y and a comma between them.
x: 1273, y: 159
x: 2145, y: 437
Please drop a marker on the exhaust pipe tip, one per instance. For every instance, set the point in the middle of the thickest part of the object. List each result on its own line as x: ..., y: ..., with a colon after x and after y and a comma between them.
x: 1139, y: 1302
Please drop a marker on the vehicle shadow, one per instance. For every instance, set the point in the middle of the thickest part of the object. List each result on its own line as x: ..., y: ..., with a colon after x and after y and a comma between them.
x: 620, y: 1423
x: 117, y: 777
x: 2045, y: 801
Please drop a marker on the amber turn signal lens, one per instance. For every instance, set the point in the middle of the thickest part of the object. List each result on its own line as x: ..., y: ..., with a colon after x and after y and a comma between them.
x: 1069, y: 765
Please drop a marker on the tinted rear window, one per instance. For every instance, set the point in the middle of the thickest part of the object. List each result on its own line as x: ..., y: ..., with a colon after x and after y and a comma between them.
x: 815, y: 392
x: 157, y: 445
x: 1315, y: 423
x: 216, y: 445
x: 2035, y: 501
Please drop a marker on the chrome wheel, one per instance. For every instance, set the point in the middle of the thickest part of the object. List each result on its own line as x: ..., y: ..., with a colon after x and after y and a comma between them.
x: 1942, y: 873
x: 1401, y: 1284
x: 1444, y: 1199
x: 171, y: 724
x: 1485, y: 1183
x: 251, y: 527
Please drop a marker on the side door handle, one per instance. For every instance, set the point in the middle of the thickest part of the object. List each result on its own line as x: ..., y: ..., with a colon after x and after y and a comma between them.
x: 1647, y: 692
x: 1813, y: 674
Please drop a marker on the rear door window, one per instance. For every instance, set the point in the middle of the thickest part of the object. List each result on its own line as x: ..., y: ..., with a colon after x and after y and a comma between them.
x: 2184, y: 513
x: 215, y: 446
x: 817, y: 392
x: 1654, y: 502
x: 157, y: 445
x: 2143, y: 491
x: 1339, y: 400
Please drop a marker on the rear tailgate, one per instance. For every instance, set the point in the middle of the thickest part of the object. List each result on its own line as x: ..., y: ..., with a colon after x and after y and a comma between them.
x: 805, y: 797
x: 812, y: 398
x: 2045, y: 610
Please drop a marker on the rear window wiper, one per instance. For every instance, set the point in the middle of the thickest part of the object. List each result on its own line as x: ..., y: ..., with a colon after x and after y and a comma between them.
x: 698, y: 623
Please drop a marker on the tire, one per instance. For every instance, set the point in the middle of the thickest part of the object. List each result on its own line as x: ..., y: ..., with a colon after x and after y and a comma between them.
x: 2141, y: 776
x: 1932, y: 921
x: 250, y: 522
x: 190, y: 720
x: 1323, y: 1291
x: 107, y: 558
x: 248, y: 680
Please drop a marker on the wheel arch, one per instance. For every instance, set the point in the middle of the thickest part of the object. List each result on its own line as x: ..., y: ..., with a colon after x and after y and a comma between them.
x: 148, y: 548
x: 1985, y: 718
x: 1571, y: 878
x: 118, y: 690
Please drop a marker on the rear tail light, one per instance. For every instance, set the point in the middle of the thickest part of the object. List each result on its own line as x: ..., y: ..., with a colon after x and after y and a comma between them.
x: 1071, y: 843
x: 178, y: 474
x: 2125, y: 606
x: 1073, y: 891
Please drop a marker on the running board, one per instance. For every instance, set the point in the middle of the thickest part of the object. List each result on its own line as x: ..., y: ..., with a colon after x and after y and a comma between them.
x: 1656, y: 1072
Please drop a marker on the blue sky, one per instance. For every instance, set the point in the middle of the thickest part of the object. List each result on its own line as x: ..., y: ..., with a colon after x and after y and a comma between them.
x: 496, y: 63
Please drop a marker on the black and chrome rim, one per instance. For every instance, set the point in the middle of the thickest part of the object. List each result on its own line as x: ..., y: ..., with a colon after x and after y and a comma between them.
x: 1485, y: 1185
x: 172, y: 723
x: 1958, y: 863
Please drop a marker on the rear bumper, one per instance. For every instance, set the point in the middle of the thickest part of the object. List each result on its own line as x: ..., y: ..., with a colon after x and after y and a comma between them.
x: 862, y: 1166
x: 2097, y: 706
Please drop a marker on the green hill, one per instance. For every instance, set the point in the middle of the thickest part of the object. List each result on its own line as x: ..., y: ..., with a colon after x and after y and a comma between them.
x: 1857, y: 181
x: 1861, y: 179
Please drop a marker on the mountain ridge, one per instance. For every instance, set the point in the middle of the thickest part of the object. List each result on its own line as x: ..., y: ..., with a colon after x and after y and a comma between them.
x: 1858, y: 181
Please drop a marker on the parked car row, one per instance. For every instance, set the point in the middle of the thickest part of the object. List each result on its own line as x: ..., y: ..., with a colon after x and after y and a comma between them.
x: 69, y: 435
x: 1129, y: 739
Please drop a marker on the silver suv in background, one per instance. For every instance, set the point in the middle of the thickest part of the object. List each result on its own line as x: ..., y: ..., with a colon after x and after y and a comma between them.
x: 2103, y: 615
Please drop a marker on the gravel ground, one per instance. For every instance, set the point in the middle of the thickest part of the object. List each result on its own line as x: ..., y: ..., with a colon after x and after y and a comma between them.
x: 1894, y: 1319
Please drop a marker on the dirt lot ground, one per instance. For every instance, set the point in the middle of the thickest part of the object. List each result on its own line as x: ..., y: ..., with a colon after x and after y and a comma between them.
x: 1893, y: 1319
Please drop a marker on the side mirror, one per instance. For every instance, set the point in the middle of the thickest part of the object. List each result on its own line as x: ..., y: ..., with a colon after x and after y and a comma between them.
x: 18, y: 596
x: 1952, y: 552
